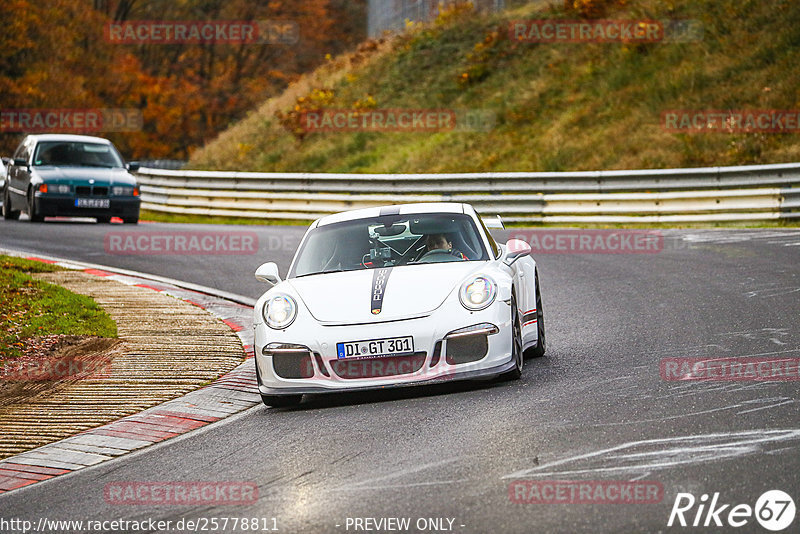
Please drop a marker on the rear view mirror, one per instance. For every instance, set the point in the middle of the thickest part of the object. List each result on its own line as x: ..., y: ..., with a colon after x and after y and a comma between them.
x: 515, y: 249
x: 133, y: 166
x: 19, y: 162
x: 268, y: 273
x: 388, y: 231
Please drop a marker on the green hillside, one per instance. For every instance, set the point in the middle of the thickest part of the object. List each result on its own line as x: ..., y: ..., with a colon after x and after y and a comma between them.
x: 556, y: 107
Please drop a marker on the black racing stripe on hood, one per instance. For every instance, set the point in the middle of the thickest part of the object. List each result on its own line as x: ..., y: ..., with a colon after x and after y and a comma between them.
x: 379, y: 279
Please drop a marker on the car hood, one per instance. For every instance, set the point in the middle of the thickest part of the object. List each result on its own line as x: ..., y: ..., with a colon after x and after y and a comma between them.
x: 409, y: 291
x: 79, y: 175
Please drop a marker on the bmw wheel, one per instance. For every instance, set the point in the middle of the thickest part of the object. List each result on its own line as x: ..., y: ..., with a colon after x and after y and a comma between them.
x: 34, y: 215
x: 8, y: 213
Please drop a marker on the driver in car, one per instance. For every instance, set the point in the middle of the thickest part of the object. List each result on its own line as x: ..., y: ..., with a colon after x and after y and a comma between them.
x: 440, y: 242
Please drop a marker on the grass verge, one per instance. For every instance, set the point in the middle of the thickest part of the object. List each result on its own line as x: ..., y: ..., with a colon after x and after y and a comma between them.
x: 31, y: 308
x: 160, y: 216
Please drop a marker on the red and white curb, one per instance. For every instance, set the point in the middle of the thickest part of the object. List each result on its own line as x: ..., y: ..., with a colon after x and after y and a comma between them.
x: 234, y: 392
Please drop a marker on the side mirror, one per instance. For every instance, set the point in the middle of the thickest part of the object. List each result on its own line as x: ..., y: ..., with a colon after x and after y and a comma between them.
x: 6, y: 161
x: 133, y: 166
x: 268, y: 273
x: 20, y: 162
x: 515, y: 249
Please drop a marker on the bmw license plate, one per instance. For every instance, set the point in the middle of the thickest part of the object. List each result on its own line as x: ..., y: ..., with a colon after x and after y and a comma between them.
x: 92, y: 203
x: 372, y: 348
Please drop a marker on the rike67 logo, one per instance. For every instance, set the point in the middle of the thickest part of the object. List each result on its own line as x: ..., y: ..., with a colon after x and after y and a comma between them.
x: 774, y: 510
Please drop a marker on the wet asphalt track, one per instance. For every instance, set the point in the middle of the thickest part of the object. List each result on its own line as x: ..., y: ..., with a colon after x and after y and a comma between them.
x: 595, y: 408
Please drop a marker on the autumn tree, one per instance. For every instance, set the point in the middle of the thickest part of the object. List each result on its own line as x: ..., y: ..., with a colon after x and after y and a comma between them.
x: 53, y: 54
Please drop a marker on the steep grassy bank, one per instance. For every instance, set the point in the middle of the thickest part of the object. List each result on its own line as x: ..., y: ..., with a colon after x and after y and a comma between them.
x: 566, y: 106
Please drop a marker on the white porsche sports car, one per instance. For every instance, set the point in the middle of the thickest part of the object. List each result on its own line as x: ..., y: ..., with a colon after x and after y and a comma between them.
x: 395, y: 296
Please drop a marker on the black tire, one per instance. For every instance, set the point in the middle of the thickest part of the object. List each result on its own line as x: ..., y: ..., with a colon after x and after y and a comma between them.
x: 281, y: 401
x: 541, y: 345
x: 131, y: 220
x: 8, y: 213
x: 103, y: 220
x: 32, y: 213
x: 516, y: 344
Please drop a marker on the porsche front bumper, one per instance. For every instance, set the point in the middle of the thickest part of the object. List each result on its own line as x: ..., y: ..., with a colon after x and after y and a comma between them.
x: 439, y: 354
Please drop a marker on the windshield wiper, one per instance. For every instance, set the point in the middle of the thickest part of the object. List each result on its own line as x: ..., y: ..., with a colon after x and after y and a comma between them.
x: 339, y: 270
x: 104, y: 165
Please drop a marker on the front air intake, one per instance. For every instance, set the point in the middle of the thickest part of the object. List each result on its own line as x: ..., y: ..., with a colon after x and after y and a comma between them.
x: 468, y: 344
x: 290, y: 361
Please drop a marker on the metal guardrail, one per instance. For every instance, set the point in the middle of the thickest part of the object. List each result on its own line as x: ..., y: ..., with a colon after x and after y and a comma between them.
x: 171, y: 164
x: 711, y: 194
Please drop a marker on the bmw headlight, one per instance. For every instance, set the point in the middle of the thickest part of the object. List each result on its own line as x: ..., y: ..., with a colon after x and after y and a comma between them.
x: 279, y: 311
x: 54, y: 188
x: 121, y: 191
x: 477, y: 293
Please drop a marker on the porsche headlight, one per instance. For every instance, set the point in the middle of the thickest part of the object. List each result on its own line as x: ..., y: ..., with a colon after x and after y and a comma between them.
x: 477, y: 293
x: 279, y: 311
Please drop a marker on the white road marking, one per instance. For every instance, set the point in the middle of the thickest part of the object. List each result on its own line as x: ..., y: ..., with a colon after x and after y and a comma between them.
x: 789, y: 401
x: 638, y: 457
x: 397, y: 474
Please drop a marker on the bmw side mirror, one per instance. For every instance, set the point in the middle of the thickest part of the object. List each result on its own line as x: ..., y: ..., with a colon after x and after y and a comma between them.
x: 515, y: 249
x: 268, y: 273
x: 133, y: 166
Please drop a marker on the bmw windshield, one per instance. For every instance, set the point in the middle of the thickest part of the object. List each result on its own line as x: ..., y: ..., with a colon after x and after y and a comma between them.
x: 76, y: 154
x: 389, y: 241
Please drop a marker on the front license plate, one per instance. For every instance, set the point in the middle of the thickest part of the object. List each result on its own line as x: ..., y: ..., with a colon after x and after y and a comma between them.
x: 92, y: 203
x: 390, y: 346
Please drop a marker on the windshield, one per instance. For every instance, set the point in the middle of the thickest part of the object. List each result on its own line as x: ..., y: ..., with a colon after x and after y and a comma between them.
x: 76, y: 154
x: 389, y: 241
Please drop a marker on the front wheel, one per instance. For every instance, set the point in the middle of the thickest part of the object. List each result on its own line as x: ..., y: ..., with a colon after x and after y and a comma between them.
x: 281, y: 401
x: 8, y: 213
x: 541, y: 343
x: 516, y: 344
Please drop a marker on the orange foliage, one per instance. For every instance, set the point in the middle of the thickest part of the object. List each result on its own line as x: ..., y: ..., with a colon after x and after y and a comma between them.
x: 592, y: 9
x: 54, y: 54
